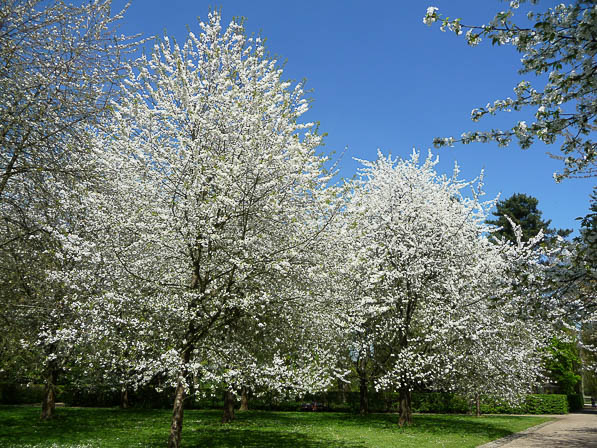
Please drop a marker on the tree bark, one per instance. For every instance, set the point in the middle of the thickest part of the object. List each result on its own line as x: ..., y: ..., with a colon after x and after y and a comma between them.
x: 178, y: 408
x: 342, y: 388
x: 404, y: 407
x: 124, y: 398
x: 48, y: 405
x: 8, y: 172
x: 244, y: 399
x: 364, y: 395
x: 229, y: 400
x: 477, y: 404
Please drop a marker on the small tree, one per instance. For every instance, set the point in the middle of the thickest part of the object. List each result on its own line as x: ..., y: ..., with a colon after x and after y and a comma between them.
x: 563, y: 365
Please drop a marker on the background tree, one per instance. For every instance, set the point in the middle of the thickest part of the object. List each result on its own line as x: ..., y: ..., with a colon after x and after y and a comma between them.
x: 523, y: 210
x: 561, y: 43
x: 60, y: 63
x: 564, y: 365
x: 585, y: 259
x: 574, y: 276
x: 588, y: 354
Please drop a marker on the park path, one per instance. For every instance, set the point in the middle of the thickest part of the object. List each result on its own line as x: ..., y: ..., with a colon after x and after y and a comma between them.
x: 577, y: 430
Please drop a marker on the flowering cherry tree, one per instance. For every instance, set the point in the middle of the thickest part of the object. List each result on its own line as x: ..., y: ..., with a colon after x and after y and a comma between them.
x: 423, y: 277
x: 215, y: 198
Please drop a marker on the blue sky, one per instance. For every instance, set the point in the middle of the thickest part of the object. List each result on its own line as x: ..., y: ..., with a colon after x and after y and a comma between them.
x: 382, y: 79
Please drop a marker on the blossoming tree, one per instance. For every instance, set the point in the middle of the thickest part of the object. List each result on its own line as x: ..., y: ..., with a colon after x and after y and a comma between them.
x: 421, y: 273
x: 217, y: 197
x: 60, y: 63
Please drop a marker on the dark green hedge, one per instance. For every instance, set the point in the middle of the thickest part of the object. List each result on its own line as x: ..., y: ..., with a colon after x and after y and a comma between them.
x: 546, y: 404
x: 533, y: 404
x: 576, y: 402
x: 433, y: 402
x: 21, y: 394
x: 439, y: 402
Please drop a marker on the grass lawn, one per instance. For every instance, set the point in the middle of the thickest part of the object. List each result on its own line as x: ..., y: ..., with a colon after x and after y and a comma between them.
x: 93, y: 427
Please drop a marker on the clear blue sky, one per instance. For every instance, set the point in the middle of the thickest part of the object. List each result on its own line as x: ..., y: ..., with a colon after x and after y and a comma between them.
x: 383, y: 79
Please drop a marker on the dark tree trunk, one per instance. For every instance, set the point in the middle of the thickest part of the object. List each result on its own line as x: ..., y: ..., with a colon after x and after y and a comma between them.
x: 342, y: 388
x: 124, y: 398
x: 177, y: 416
x: 364, y: 395
x: 178, y: 408
x: 404, y: 407
x: 48, y: 405
x: 244, y: 399
x: 477, y: 405
x: 229, y: 400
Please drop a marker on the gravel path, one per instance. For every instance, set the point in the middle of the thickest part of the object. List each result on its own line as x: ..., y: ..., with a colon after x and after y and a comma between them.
x: 578, y: 430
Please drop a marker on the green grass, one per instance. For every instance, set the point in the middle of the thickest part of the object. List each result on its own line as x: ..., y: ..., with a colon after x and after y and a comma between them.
x: 92, y: 427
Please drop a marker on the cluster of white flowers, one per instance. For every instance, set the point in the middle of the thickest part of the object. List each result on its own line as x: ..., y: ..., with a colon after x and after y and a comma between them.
x: 431, y: 15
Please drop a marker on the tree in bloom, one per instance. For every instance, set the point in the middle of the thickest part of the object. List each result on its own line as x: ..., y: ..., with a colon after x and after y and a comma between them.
x: 558, y: 42
x: 35, y: 296
x: 498, y: 349
x: 59, y: 65
x: 216, y: 197
x: 419, y: 274
x: 572, y: 285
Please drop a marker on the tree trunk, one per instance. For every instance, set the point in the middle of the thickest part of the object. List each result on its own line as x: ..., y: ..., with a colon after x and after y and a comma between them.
x: 178, y: 408
x: 124, y: 398
x: 477, y: 404
x: 244, y: 399
x: 48, y: 405
x: 229, y: 400
x: 342, y: 388
x: 364, y: 396
x: 404, y: 408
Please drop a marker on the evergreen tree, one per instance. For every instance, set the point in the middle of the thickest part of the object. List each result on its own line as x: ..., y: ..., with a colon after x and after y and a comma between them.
x: 523, y: 210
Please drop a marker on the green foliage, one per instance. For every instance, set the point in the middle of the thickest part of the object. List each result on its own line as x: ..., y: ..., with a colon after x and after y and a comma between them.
x: 533, y: 404
x: 545, y: 404
x: 439, y: 402
x: 21, y: 426
x: 576, y: 402
x: 563, y: 365
x: 11, y: 393
x: 524, y: 211
x: 379, y: 402
x: 589, y: 337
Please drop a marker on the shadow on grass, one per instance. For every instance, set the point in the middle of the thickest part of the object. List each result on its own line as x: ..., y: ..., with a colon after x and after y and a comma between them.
x: 261, y: 429
x: 21, y: 426
x: 72, y: 426
x: 149, y: 428
x: 254, y: 438
x: 429, y: 423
